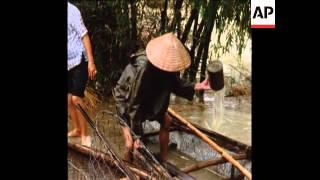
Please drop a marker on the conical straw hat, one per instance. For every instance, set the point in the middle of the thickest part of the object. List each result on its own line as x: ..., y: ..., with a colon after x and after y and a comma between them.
x: 168, y: 53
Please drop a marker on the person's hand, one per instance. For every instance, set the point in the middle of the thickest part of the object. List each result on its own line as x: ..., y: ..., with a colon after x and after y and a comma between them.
x: 204, y: 85
x: 92, y: 71
x: 137, y: 144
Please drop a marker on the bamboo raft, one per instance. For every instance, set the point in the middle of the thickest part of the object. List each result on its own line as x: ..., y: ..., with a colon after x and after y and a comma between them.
x: 207, y: 158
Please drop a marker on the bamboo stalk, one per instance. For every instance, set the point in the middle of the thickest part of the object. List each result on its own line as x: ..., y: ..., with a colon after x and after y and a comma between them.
x: 210, y: 162
x: 212, y: 144
x: 105, y: 158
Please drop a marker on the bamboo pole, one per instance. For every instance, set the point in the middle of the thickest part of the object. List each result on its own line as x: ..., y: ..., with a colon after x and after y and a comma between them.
x: 210, y: 162
x: 103, y: 157
x: 212, y: 144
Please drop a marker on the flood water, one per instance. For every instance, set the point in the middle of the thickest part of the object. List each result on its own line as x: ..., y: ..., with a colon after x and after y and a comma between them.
x: 236, y: 121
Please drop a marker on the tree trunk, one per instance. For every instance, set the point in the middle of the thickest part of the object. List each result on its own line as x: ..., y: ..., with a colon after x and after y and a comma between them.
x: 195, y: 65
x: 177, y: 17
x: 193, y: 16
x: 187, y: 28
x: 197, y: 57
x: 211, y: 14
x: 192, y: 71
x: 164, y: 19
x: 133, y: 19
x: 204, y: 62
x: 186, y: 73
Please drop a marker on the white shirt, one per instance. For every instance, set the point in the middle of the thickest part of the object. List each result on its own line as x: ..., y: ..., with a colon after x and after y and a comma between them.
x: 76, y: 30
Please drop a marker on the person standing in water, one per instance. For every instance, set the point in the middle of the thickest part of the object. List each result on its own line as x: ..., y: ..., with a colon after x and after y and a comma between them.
x: 144, y: 88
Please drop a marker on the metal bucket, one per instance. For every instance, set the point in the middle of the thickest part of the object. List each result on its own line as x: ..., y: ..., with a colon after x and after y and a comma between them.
x: 215, y: 73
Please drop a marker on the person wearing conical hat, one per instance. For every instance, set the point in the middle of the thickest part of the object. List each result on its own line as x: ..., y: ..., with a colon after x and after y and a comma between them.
x: 144, y: 88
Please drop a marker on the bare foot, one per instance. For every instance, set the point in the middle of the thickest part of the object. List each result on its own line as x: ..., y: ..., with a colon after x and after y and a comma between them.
x: 74, y: 133
x: 86, y: 141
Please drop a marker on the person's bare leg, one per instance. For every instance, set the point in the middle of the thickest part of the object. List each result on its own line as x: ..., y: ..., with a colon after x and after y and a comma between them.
x: 128, y: 144
x: 164, y: 137
x: 75, y: 132
x: 85, y: 139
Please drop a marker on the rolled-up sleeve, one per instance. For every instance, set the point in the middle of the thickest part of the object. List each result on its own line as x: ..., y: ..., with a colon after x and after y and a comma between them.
x: 78, y: 24
x: 183, y: 88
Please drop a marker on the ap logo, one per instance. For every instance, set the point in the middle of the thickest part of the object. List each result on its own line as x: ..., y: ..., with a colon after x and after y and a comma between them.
x: 263, y: 14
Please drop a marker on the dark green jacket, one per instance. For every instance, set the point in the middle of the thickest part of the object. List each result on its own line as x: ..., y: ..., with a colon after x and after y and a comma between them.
x: 143, y: 92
